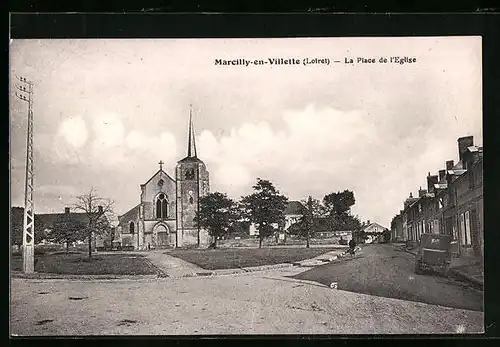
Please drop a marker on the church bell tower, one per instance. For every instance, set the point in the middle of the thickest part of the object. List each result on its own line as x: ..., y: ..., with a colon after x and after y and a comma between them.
x: 192, y: 181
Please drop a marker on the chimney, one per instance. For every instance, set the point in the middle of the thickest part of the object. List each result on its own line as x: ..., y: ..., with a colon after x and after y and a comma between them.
x: 442, y: 175
x: 411, y: 196
x: 450, y: 164
x: 100, y: 209
x: 66, y: 210
x: 463, y: 143
x: 431, y: 181
x: 421, y: 192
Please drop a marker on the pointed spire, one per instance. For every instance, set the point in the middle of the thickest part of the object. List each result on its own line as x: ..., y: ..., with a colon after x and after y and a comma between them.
x: 191, y: 138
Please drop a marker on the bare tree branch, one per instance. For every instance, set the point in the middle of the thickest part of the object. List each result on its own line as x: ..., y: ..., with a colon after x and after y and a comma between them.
x: 99, y: 212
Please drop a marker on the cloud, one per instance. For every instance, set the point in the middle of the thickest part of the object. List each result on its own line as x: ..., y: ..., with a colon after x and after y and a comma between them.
x: 58, y: 190
x: 108, y: 131
x: 233, y: 175
x: 73, y: 131
x: 137, y: 141
x: 312, y: 145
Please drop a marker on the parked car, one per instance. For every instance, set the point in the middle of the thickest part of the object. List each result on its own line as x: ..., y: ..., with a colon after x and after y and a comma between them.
x: 434, y: 253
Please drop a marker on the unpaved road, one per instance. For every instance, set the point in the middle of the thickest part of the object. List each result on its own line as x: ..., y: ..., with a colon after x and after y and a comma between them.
x: 382, y: 270
x: 257, y: 303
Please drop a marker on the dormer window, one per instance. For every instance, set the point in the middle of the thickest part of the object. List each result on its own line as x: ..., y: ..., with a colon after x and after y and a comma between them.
x: 162, y: 206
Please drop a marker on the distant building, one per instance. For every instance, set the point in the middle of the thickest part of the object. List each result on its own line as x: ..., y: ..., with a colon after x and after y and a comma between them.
x: 397, y: 230
x: 49, y: 219
x: 293, y: 213
x: 373, y: 232
x: 374, y: 228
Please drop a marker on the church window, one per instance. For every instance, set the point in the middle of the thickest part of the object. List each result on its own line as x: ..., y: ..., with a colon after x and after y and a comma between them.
x: 191, y: 199
x: 161, y: 206
x: 131, y: 227
x: 190, y: 174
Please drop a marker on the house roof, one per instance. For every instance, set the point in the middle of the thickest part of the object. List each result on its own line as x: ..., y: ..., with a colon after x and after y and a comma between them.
x: 373, y: 225
x: 475, y: 149
x: 294, y: 207
x: 441, y: 185
x: 457, y: 172
x: 50, y: 218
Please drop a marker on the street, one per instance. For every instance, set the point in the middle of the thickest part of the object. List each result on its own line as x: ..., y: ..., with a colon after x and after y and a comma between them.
x: 382, y: 270
x: 267, y: 302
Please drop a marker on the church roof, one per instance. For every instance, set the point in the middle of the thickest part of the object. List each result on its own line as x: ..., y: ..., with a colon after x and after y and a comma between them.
x: 190, y: 159
x: 191, y: 150
x: 156, y: 173
x: 132, y: 211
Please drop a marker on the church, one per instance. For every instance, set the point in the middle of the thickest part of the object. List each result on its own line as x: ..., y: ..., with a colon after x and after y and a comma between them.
x: 165, y: 214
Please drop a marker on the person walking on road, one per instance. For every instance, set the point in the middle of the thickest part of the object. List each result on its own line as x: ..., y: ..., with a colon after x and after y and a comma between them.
x: 352, y: 247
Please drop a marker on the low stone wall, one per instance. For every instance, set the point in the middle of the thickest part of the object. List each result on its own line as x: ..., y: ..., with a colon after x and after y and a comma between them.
x: 271, y: 241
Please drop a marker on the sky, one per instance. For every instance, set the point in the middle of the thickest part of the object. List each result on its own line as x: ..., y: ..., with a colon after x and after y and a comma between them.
x: 107, y: 111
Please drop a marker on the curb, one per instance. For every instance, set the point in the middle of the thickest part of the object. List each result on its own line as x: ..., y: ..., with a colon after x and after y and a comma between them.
x: 49, y: 276
x: 222, y: 272
x: 411, y: 251
x: 467, y: 278
x: 403, y: 248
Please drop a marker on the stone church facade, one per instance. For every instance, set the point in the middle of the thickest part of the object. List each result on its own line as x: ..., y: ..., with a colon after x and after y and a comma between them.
x: 165, y: 214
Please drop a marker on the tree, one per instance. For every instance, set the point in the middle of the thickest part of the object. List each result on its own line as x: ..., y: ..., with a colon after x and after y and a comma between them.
x: 67, y: 229
x: 339, y: 203
x: 98, y: 212
x: 305, y: 226
x: 16, y: 226
x: 265, y: 208
x: 386, y: 236
x: 318, y: 209
x: 349, y: 222
x: 357, y: 229
x: 40, y: 227
x: 217, y: 214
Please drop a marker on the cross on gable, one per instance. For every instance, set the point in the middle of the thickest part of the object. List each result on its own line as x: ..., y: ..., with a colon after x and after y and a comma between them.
x: 161, y: 164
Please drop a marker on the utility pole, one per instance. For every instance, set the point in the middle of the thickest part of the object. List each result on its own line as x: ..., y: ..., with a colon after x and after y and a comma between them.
x: 25, y: 94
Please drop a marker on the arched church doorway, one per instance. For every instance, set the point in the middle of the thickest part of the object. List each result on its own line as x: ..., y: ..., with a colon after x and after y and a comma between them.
x: 161, y: 236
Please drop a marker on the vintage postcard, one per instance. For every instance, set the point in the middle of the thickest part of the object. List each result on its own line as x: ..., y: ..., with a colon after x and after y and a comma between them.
x: 246, y: 186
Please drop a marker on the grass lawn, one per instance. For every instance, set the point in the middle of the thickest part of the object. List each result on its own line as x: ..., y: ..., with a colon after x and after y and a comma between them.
x: 232, y: 258
x: 76, y: 263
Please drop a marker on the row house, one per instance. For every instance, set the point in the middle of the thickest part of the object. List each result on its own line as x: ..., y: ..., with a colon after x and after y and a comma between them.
x: 397, y: 230
x: 452, y: 204
x: 463, y: 211
x: 420, y: 216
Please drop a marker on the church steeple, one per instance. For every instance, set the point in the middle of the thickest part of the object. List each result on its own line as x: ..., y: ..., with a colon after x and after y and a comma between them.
x: 191, y: 138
